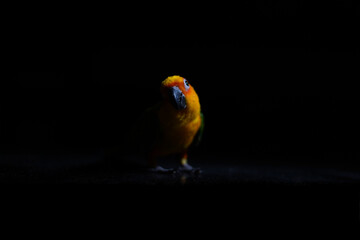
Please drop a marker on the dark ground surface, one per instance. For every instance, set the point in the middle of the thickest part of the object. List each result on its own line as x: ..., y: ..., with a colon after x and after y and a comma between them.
x: 216, y: 170
x: 233, y: 195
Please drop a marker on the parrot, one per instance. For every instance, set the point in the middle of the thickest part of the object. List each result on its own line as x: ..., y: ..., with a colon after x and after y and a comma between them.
x: 171, y: 126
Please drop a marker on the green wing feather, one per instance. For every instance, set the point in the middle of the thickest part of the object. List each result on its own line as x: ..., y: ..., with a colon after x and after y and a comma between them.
x: 200, y: 132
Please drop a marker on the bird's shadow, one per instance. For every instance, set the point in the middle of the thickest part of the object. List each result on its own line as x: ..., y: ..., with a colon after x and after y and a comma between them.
x: 133, y: 165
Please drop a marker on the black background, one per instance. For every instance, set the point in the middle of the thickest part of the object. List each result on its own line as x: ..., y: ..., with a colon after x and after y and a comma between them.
x: 275, y: 79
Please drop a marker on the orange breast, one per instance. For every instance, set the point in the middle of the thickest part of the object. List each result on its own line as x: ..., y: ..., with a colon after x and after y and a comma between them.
x: 178, y: 138
x: 177, y: 132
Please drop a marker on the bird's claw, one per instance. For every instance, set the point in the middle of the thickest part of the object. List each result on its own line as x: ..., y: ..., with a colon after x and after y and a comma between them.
x: 189, y: 169
x: 159, y: 169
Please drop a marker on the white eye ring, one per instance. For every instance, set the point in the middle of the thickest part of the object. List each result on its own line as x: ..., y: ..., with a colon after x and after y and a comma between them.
x: 186, y: 84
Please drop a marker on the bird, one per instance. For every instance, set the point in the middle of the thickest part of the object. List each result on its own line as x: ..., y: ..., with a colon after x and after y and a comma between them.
x: 171, y: 126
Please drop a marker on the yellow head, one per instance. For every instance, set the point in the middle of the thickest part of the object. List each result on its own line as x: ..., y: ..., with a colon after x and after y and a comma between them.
x: 178, y: 91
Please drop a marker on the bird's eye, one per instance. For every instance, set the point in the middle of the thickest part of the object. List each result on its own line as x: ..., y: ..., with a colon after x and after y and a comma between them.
x: 186, y: 84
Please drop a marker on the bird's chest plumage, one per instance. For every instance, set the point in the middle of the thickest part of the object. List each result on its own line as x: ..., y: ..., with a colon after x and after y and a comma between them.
x: 181, y: 136
x: 177, y: 134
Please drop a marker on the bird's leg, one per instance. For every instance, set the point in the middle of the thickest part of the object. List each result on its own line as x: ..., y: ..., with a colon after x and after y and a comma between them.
x: 153, y: 167
x: 185, y: 167
x: 184, y: 160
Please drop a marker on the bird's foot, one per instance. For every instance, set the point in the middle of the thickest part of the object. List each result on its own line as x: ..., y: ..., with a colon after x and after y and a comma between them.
x: 189, y: 169
x: 159, y: 169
